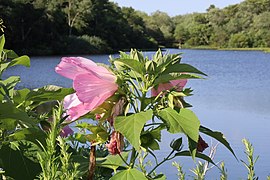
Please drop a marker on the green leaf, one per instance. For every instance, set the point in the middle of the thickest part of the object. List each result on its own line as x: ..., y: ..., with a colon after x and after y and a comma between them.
x: 81, y: 138
x: 183, y: 68
x: 131, y: 126
x: 112, y: 161
x: 129, y: 174
x: 8, y: 124
x: 17, y: 160
x: 218, y: 136
x: 150, y: 67
x: 185, y: 121
x: 150, y: 138
x: 166, y: 60
x: 7, y: 86
x: 173, y: 76
x: 2, y: 43
x: 99, y: 134
x: 160, y: 177
x: 48, y: 93
x: 19, y: 96
x: 192, y: 145
x: 149, y: 141
x: 31, y: 134
x: 199, y: 155
x: 135, y: 54
x: 22, y: 60
x: 9, y: 111
x: 130, y: 63
x: 10, y: 54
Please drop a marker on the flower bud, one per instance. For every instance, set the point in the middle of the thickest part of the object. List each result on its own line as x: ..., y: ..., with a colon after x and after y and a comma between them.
x: 176, y: 144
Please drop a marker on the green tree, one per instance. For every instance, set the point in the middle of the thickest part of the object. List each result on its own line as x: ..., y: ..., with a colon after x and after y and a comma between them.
x: 239, y: 40
x: 165, y: 23
x: 75, y: 11
x: 181, y: 34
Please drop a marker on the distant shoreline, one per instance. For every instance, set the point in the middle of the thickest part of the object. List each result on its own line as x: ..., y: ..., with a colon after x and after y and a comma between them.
x: 267, y: 50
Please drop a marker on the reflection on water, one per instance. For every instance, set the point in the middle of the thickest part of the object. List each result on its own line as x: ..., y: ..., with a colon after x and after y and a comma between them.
x: 234, y: 99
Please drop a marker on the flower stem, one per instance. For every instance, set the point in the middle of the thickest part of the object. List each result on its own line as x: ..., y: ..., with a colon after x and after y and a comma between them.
x: 132, y: 158
x: 165, y: 159
x: 123, y: 159
x: 92, y: 163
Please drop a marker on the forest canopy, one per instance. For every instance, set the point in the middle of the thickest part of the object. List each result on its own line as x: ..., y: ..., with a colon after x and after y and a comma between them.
x: 42, y: 27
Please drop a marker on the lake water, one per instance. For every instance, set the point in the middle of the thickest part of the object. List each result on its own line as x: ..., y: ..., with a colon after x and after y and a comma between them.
x: 234, y: 99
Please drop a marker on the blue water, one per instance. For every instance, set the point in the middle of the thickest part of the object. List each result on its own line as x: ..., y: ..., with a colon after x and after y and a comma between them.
x: 234, y: 99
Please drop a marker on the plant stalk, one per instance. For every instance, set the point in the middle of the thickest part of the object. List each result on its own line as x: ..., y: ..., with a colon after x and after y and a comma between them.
x: 92, y: 163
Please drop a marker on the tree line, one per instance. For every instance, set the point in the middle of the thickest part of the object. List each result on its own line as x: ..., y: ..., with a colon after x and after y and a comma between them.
x: 43, y: 27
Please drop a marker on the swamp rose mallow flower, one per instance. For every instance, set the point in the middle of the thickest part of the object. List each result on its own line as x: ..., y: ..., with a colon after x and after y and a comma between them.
x: 176, y: 84
x: 116, y: 143
x: 93, y: 85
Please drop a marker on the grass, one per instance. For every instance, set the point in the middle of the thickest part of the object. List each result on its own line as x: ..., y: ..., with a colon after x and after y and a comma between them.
x: 267, y: 50
x: 246, y: 49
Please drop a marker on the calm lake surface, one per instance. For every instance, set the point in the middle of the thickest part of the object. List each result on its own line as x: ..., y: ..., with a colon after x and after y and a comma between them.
x: 234, y: 99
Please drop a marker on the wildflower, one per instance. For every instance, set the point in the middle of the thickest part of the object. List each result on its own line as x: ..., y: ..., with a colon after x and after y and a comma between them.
x: 177, y: 84
x: 93, y: 85
x: 116, y: 143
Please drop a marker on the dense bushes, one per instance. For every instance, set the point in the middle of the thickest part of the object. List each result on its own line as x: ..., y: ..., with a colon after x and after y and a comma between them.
x: 81, y: 45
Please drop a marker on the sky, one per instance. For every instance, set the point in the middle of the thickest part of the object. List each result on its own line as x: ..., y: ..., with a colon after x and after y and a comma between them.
x: 174, y: 7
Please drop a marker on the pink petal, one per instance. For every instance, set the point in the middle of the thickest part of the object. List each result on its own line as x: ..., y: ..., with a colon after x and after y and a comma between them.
x: 69, y: 67
x: 75, y: 108
x: 177, y: 84
x: 71, y: 101
x: 93, y: 89
x: 161, y: 87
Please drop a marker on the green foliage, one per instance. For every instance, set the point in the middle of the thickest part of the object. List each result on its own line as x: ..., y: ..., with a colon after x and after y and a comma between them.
x: 223, y: 172
x: 199, y: 155
x: 232, y: 26
x: 199, y: 171
x: 185, y: 121
x: 88, y: 26
x: 131, y: 126
x: 99, y: 134
x: 53, y: 164
x: 24, y: 154
x: 21, y: 111
x: 131, y: 174
x: 181, y: 175
x: 84, y: 44
x: 112, y: 161
x: 218, y: 136
x: 250, y: 165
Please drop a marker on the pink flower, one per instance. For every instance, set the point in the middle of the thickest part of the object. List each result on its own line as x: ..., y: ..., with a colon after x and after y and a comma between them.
x: 176, y: 84
x: 116, y: 143
x: 66, y: 131
x: 93, y: 85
